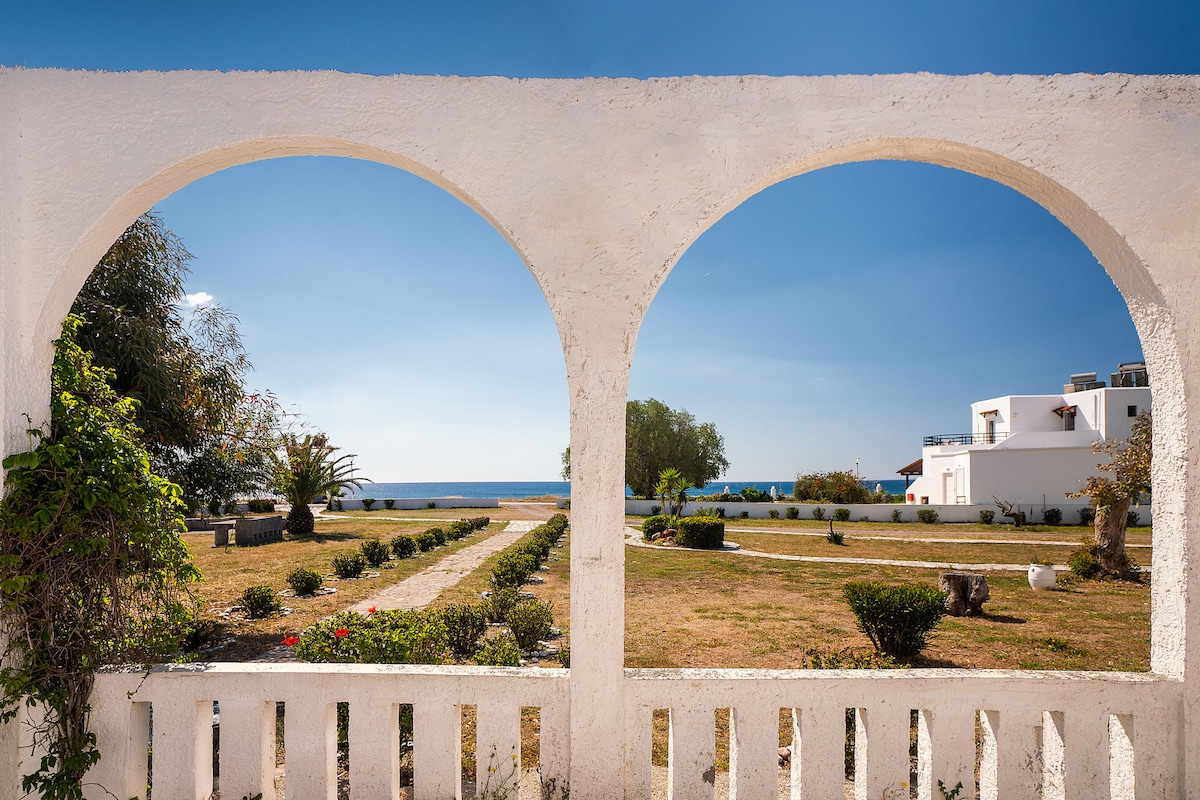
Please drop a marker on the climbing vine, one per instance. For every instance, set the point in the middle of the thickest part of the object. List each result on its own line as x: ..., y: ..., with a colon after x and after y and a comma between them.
x: 93, y: 570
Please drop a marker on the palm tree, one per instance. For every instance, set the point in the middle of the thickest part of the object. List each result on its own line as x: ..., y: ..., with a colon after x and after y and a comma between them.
x: 308, y: 469
x: 672, y: 488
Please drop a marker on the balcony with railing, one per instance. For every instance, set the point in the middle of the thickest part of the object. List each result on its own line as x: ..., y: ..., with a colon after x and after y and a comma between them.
x: 940, y: 439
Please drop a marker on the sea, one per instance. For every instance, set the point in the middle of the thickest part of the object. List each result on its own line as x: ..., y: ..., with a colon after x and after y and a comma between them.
x: 523, y: 489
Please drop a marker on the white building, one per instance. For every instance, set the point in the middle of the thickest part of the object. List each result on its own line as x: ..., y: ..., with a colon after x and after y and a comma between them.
x: 1031, y: 449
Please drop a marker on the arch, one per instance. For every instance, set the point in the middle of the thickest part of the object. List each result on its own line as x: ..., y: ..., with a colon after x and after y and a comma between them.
x: 1150, y: 313
x: 98, y: 238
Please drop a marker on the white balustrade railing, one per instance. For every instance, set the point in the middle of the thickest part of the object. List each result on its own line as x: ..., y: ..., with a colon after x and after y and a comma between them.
x: 1053, y: 735
x: 1050, y: 735
x: 172, y: 710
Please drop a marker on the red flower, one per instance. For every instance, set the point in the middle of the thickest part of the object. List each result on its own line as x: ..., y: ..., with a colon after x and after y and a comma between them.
x: 341, y: 633
x: 291, y: 641
x: 372, y: 610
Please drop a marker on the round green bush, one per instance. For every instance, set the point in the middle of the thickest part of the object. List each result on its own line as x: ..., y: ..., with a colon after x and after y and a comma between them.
x: 438, y: 535
x: 465, y: 625
x: 986, y: 516
x: 404, y: 547
x: 704, y: 533
x: 841, y: 514
x: 1052, y: 516
x: 897, y: 619
x: 656, y: 524
x: 375, y: 552
x: 426, y: 541
x: 530, y: 622
x: 349, y: 565
x: 259, y: 602
x: 304, y: 581
x: 773, y: 513
x: 927, y: 515
x: 499, y: 651
x: 1083, y: 562
x: 500, y: 602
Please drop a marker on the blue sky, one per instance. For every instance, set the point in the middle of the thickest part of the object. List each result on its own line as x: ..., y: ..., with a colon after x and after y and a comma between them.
x: 397, y: 320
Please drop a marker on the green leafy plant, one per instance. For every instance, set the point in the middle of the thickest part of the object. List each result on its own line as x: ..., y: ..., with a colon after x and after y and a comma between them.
x: 260, y: 506
x: 949, y: 794
x: 465, y: 625
x: 260, y: 602
x: 426, y: 541
x: 1131, y: 518
x: 500, y: 602
x: 530, y: 622
x: 818, y: 513
x: 389, y: 503
x: 1087, y: 516
x: 498, y: 651
x: 672, y: 488
x: 656, y: 524
x: 375, y: 552
x: 513, y: 568
x: 1052, y: 516
x: 830, y: 487
x: 385, y: 637
x: 897, y: 619
x: 431, y: 504
x: 564, y: 656
x: 1084, y: 562
x: 461, y: 527
x: 705, y: 533
x: 404, y: 547
x: 841, y: 515
x: 304, y: 581
x: 439, y: 536
x: 927, y: 515
x: 792, y: 512
x: 773, y: 513
x: 307, y: 468
x: 986, y: 516
x: 93, y: 569
x: 367, y: 502
x: 897, y: 515
x: 349, y: 565
x: 835, y: 537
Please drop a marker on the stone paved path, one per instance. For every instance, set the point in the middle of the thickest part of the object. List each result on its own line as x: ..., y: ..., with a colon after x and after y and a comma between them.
x: 423, y: 588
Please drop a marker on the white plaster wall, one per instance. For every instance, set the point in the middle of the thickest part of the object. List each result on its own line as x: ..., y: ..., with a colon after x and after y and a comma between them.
x: 600, y: 185
x: 873, y: 512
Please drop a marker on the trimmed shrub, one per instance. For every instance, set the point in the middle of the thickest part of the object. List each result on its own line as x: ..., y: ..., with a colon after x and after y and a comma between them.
x: 1084, y: 563
x: 744, y: 515
x: 897, y: 515
x: 386, y: 637
x: 461, y: 527
x: 375, y: 552
x: 260, y: 505
x: 792, y: 512
x: 439, y: 536
x: 986, y: 516
x: 479, y: 523
x: 897, y: 619
x: 927, y: 515
x: 1087, y: 516
x: 404, y: 547
x: 426, y: 541
x: 513, y: 568
x: 259, y: 602
x: 656, y: 524
x: 367, y: 503
x: 818, y: 513
x: 704, y: 533
x: 530, y: 622
x: 841, y: 514
x: 500, y: 603
x: 349, y: 565
x: 1052, y: 516
x: 498, y: 651
x: 304, y: 581
x: 431, y: 504
x: 465, y: 625
x: 773, y: 513
x: 389, y: 503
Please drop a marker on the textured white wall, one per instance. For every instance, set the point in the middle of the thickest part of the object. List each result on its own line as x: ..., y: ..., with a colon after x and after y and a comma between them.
x: 600, y: 185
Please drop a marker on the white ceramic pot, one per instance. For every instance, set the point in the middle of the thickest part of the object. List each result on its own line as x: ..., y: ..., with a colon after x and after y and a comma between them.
x: 1041, y: 576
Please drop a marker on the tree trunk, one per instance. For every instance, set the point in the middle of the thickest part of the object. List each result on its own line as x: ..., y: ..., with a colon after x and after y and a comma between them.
x: 1110, y: 537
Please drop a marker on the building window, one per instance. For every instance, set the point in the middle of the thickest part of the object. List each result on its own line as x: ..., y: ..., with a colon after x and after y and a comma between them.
x: 1131, y: 411
x: 1069, y: 420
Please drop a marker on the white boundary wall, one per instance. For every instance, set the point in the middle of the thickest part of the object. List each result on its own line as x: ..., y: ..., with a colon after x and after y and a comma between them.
x: 875, y: 512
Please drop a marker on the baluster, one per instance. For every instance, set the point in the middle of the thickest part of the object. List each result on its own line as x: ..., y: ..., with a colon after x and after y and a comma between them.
x: 880, y: 750
x: 374, y: 735
x: 818, y: 753
x: 1120, y: 757
x: 1012, y: 764
x: 183, y: 749
x: 1053, y: 756
x: 555, y: 748
x: 945, y: 750
x: 247, y: 747
x: 1086, y: 755
x: 753, y: 752
x: 437, y: 750
x: 122, y: 731
x: 692, y: 758
x: 639, y: 731
x: 497, y: 748
x: 310, y: 748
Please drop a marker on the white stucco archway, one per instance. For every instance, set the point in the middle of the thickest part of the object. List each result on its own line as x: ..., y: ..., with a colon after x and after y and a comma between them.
x: 600, y: 185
